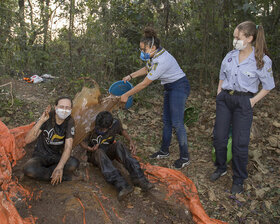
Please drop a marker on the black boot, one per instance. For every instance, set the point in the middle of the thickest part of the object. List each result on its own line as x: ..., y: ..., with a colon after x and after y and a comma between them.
x: 143, y: 183
x: 124, y: 192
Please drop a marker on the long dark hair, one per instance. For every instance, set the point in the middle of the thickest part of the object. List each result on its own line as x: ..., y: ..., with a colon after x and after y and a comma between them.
x: 251, y: 29
x: 150, y: 38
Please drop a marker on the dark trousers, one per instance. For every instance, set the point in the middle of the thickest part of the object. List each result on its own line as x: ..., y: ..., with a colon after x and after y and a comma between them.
x: 235, y: 110
x: 175, y: 96
x: 41, y: 168
x: 103, y: 157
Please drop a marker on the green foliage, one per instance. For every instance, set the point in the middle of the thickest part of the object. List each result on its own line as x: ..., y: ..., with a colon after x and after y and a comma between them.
x: 191, y: 115
x: 104, y: 36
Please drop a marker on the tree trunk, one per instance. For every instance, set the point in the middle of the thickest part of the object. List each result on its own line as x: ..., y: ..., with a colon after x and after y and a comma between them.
x: 46, y: 23
x: 71, y: 28
x: 167, y: 11
x: 23, y: 35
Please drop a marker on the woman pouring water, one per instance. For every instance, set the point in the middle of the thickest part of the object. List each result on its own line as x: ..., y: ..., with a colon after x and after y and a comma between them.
x: 163, y: 66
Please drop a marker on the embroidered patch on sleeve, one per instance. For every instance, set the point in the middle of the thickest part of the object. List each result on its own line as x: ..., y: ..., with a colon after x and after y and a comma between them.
x: 73, y: 131
x: 155, y: 66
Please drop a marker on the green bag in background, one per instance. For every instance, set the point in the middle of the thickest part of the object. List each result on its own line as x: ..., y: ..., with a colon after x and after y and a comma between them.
x: 229, y: 147
x: 229, y: 151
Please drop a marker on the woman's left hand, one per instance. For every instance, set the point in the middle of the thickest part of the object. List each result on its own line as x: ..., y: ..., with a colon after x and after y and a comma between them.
x: 57, y: 176
x: 252, y: 102
x: 124, y: 98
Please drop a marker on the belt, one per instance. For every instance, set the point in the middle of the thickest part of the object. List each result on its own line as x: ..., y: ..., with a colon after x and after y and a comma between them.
x: 234, y: 92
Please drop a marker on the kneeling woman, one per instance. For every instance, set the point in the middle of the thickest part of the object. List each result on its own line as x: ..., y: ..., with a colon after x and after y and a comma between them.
x: 163, y: 66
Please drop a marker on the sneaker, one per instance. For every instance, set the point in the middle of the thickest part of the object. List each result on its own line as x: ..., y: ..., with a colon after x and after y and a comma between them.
x: 216, y: 175
x: 143, y: 183
x: 180, y: 163
x: 159, y: 155
x: 124, y: 192
x: 237, y: 188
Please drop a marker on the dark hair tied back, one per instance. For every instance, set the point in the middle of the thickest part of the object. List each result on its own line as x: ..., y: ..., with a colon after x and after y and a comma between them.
x: 150, y: 38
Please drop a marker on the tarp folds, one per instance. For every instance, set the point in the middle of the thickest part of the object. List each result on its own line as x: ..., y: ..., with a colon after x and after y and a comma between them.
x: 182, y: 189
x: 86, y: 106
x: 11, y: 150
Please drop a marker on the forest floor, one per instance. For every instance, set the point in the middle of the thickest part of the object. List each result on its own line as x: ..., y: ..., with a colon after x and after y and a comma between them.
x: 61, y: 204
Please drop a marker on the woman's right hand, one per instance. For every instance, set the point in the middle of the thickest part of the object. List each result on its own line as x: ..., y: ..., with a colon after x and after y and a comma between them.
x: 127, y: 78
x: 45, y: 116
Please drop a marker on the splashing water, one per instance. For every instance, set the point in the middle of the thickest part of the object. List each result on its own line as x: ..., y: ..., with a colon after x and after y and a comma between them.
x: 86, y: 105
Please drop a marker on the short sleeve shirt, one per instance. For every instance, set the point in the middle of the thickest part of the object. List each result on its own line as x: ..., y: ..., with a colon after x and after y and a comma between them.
x: 163, y: 66
x: 245, y: 76
x: 106, y: 139
x: 53, y: 136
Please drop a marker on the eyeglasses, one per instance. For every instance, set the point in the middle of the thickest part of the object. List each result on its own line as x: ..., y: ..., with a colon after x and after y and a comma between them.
x: 64, y: 107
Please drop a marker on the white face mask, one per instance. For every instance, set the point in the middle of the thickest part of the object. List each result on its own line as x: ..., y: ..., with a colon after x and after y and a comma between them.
x: 239, y: 44
x: 62, y: 114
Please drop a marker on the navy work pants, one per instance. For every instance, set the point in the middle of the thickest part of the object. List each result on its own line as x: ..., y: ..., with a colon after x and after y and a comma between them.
x: 235, y: 110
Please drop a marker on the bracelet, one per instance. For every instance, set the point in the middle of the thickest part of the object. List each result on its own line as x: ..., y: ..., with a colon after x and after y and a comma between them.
x: 130, y: 76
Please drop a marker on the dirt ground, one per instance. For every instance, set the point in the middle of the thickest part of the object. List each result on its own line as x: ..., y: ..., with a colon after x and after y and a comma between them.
x: 64, y: 203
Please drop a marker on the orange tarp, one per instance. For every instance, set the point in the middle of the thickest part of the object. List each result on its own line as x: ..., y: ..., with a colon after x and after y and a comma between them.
x: 182, y: 188
x: 11, y: 150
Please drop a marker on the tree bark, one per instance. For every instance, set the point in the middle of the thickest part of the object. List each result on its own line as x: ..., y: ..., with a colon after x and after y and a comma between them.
x: 70, y: 34
x: 167, y: 11
x: 46, y: 23
x: 23, y: 35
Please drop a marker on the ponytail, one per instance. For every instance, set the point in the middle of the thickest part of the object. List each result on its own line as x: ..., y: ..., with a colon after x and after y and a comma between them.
x: 251, y: 29
x: 150, y: 38
x: 260, y: 47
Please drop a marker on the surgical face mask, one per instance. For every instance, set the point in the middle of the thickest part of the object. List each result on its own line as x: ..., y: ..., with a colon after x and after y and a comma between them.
x: 239, y: 44
x: 62, y: 114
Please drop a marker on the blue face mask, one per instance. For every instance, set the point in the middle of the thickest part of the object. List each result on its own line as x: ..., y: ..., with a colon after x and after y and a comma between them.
x: 145, y: 56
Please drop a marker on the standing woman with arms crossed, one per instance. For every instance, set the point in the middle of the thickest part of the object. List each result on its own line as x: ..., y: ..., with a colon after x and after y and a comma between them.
x: 242, y: 70
x: 163, y: 66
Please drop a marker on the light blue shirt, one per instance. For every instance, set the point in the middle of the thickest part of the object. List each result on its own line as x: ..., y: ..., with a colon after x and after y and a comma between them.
x: 246, y: 77
x: 163, y: 66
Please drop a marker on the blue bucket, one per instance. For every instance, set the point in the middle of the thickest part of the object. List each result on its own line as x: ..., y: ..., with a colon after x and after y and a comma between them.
x: 118, y: 88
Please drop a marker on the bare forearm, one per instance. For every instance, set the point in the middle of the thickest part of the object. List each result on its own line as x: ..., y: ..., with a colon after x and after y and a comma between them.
x: 138, y: 87
x: 66, y: 153
x: 84, y: 145
x: 126, y: 135
x: 140, y: 72
x: 260, y: 95
x: 64, y: 158
x: 34, y: 132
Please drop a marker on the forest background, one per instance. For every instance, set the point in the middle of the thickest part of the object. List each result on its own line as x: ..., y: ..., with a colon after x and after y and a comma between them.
x: 100, y: 39
x: 82, y: 40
